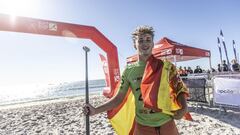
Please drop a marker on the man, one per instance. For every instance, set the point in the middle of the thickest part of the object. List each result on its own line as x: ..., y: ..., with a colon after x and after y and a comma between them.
x: 148, y: 121
x: 198, y: 70
x: 225, y: 66
x: 235, y: 66
x: 181, y: 72
x: 190, y: 71
x: 185, y: 71
x: 219, y: 68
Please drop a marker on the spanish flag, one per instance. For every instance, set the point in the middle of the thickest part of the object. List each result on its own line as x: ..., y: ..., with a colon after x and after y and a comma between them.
x: 160, y: 87
x: 122, y: 117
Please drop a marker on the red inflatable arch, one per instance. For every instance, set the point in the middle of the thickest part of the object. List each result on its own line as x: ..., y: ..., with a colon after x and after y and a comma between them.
x: 53, y: 28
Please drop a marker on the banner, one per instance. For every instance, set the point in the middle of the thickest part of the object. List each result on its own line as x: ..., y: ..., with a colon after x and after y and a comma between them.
x: 227, y: 91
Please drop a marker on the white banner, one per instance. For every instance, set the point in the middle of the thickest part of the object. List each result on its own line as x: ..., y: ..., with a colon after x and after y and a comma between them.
x: 227, y: 91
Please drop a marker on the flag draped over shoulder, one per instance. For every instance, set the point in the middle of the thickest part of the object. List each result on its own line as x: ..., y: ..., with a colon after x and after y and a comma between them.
x: 160, y: 87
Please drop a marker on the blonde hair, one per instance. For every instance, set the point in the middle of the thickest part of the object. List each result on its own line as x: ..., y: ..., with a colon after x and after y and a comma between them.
x: 144, y: 29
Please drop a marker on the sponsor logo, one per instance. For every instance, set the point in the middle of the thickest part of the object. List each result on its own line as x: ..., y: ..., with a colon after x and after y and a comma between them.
x: 179, y: 51
x: 165, y: 52
x: 105, y: 67
x: 228, y: 91
x: 52, y: 26
x: 47, y: 26
x: 116, y: 75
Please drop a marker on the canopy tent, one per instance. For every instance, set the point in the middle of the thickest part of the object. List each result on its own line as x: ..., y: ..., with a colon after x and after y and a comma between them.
x: 175, y: 52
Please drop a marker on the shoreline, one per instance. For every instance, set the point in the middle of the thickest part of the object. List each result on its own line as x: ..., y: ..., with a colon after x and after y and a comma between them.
x: 46, y: 100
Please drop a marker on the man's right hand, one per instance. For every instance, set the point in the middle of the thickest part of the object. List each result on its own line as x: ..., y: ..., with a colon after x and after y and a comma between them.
x: 89, y: 110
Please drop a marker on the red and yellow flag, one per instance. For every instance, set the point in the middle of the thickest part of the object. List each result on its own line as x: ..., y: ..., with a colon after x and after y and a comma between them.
x: 122, y: 117
x: 160, y: 87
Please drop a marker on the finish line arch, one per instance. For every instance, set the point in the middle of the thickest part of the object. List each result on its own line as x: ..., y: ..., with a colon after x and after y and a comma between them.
x: 53, y: 28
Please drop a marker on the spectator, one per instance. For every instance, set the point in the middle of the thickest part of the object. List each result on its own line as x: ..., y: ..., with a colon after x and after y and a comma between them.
x: 190, y: 71
x: 235, y: 66
x: 219, y: 68
x: 225, y: 66
x: 185, y: 71
x: 180, y: 71
x: 198, y: 70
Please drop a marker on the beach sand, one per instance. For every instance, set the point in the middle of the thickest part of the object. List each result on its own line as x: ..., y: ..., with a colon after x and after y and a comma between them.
x: 65, y: 117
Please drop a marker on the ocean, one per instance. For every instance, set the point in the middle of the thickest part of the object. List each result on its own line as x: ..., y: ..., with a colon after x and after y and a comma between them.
x: 36, y: 92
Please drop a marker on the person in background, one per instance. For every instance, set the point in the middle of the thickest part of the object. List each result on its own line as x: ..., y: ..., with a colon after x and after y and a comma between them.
x: 185, y: 71
x: 235, y: 66
x: 224, y: 66
x: 190, y: 71
x: 198, y: 70
x: 180, y: 71
x: 219, y: 68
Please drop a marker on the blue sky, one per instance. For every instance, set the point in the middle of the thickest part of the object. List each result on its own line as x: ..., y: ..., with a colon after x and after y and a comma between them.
x: 26, y: 58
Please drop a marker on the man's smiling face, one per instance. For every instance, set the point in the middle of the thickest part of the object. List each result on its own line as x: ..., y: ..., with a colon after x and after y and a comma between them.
x: 144, y: 44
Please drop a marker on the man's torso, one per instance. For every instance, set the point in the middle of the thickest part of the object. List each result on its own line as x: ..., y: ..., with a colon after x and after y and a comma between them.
x: 133, y: 75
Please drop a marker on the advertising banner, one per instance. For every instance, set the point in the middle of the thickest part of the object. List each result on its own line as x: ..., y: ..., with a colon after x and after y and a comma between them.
x: 227, y: 91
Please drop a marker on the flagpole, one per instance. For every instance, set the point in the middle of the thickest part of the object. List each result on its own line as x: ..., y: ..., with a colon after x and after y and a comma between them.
x: 86, y: 49
x: 234, y: 50
x: 220, y: 50
x: 224, y: 45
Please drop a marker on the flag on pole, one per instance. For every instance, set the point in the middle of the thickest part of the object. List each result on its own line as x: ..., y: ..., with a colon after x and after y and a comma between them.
x: 234, y: 50
x: 220, y: 50
x: 221, y: 34
x: 225, y: 49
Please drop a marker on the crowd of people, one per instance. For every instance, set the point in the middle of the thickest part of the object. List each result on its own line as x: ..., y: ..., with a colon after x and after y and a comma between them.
x: 235, y: 67
x: 185, y: 71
